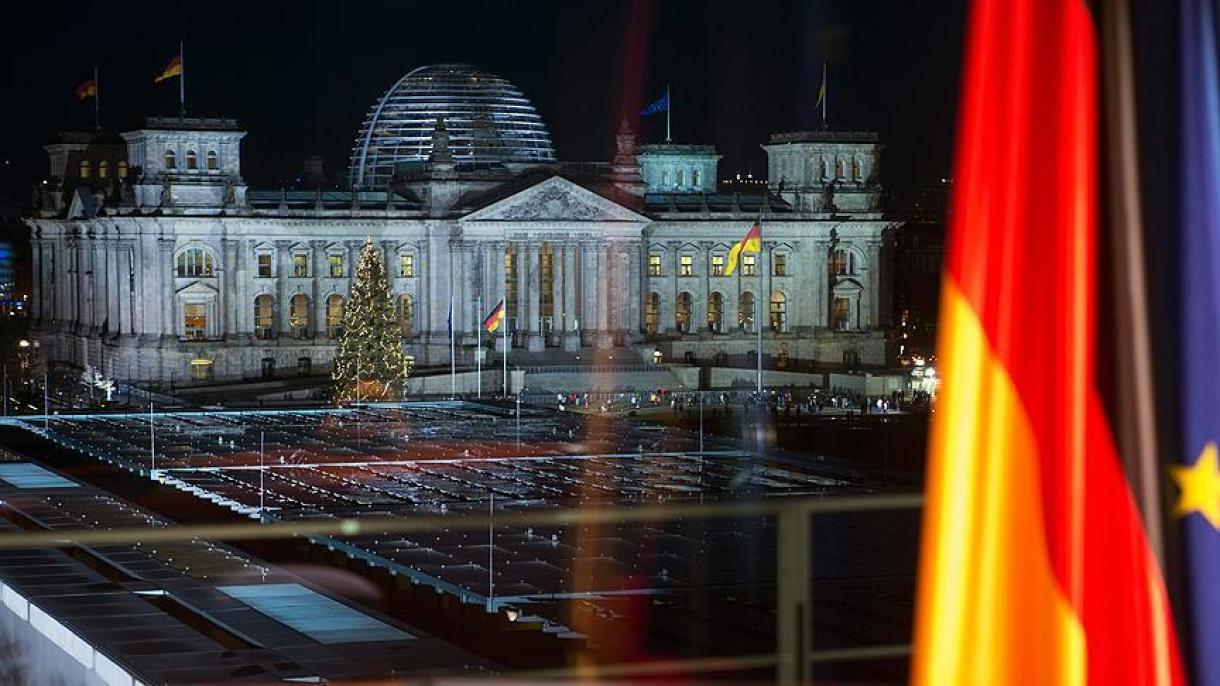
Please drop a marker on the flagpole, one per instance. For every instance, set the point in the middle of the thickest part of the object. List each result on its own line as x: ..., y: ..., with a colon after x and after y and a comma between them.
x: 669, y: 106
x: 758, y: 303
x: 181, y: 80
x: 504, y: 325
x: 97, y: 99
x: 452, y: 351
x: 825, y: 92
x: 478, y: 353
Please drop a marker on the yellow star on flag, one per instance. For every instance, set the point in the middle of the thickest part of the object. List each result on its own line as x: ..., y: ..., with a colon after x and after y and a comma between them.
x: 1200, y: 486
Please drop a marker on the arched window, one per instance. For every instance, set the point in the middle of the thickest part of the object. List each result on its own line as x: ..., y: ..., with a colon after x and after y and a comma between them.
x: 194, y: 263
x: 856, y: 174
x: 122, y: 168
x: 682, y: 312
x: 171, y: 159
x: 664, y: 178
x: 85, y: 169
x: 694, y: 178
x: 681, y: 178
x: 840, y: 169
x: 652, y: 314
x: 334, y: 316
x: 298, y: 316
x: 103, y: 169
x: 192, y: 160
x: 213, y: 161
x: 842, y: 263
x: 745, y: 311
x: 715, y: 312
x: 406, y: 315
x: 779, y: 312
x: 264, y: 317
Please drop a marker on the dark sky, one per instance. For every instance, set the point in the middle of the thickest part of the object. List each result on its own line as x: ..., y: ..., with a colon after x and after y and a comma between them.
x: 299, y: 76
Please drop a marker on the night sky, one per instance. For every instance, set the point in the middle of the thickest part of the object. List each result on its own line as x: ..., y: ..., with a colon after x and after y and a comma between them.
x: 300, y: 76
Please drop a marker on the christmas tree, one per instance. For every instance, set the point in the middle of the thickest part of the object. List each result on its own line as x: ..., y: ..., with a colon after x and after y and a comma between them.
x: 369, y: 362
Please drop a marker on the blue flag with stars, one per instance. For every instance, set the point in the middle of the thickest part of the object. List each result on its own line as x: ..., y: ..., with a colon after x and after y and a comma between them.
x: 661, y: 105
x: 1198, y: 476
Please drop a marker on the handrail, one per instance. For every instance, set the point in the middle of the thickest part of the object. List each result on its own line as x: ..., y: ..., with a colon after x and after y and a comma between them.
x: 355, y: 526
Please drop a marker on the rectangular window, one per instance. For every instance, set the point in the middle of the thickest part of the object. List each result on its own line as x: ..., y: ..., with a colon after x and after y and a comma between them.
x: 840, y: 316
x: 406, y: 265
x: 779, y: 265
x: 264, y: 265
x: 747, y: 265
x: 195, y: 321
x: 686, y: 265
x: 717, y: 265
x: 300, y: 265
x: 654, y: 264
x: 336, y: 265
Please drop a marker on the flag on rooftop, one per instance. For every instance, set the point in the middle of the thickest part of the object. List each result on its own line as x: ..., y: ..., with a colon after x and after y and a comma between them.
x: 172, y: 68
x: 86, y: 89
x: 660, y: 105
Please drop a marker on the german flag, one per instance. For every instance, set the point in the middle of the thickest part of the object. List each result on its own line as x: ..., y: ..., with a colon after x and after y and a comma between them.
x: 1034, y: 565
x: 493, y: 320
x: 751, y: 243
x: 87, y: 89
x: 172, y: 68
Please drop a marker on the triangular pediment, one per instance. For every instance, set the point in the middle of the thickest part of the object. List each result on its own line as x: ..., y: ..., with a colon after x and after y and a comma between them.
x: 197, y: 289
x: 555, y: 199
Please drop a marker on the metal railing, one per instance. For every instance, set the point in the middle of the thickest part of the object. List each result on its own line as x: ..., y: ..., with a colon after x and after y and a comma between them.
x: 794, y: 654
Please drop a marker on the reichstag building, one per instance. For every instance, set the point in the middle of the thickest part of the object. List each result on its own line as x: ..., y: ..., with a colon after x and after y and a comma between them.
x: 153, y: 260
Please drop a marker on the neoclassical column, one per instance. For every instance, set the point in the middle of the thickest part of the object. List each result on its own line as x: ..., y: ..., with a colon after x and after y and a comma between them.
x: 38, y: 297
x: 605, y: 287
x: 635, y: 275
x: 498, y: 251
x: 821, y: 284
x: 571, y: 311
x: 318, y: 294
x: 165, y: 270
x: 228, y: 287
x: 114, y: 277
x: 700, y: 322
x: 283, y: 270
x: 875, y: 318
x: 86, y: 279
x: 588, y: 291
x: 534, y: 341
x: 457, y: 287
x: 126, y: 248
x: 100, y: 279
x: 557, y: 261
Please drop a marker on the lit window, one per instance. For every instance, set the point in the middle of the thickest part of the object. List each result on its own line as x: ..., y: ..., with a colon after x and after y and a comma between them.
x: 300, y: 264
x: 406, y: 315
x: 745, y: 311
x: 192, y: 162
x: 264, y: 265
x: 336, y: 265
x: 298, y: 316
x: 654, y: 264
x: 406, y: 265
x: 686, y: 265
x: 842, y: 263
x: 85, y: 170
x: 194, y: 263
x: 171, y: 159
x: 840, y: 314
x: 195, y: 321
x: 264, y: 318
x: 715, y: 312
x: 779, y: 312
x: 717, y: 265
x: 103, y: 169
x: 213, y: 161
x: 652, y: 313
x: 334, y: 316
x: 682, y: 312
x: 747, y: 265
x: 201, y: 369
x: 122, y: 169
x: 779, y: 265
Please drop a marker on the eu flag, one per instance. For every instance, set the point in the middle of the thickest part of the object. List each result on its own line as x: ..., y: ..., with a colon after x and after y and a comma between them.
x: 1198, y: 476
x: 661, y: 105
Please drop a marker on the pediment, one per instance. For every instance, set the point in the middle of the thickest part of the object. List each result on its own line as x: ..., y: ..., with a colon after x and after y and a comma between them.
x: 555, y: 199
x: 198, y: 289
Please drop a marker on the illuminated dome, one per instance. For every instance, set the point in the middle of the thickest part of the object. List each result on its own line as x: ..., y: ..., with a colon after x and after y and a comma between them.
x: 488, y: 119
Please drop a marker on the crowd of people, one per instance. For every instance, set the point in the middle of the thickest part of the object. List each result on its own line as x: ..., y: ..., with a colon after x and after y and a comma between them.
x: 781, y: 401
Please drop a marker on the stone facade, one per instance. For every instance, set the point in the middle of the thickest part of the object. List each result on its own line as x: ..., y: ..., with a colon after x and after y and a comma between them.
x: 179, y: 272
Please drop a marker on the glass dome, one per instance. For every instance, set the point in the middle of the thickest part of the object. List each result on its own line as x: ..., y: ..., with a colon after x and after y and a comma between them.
x: 488, y: 119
